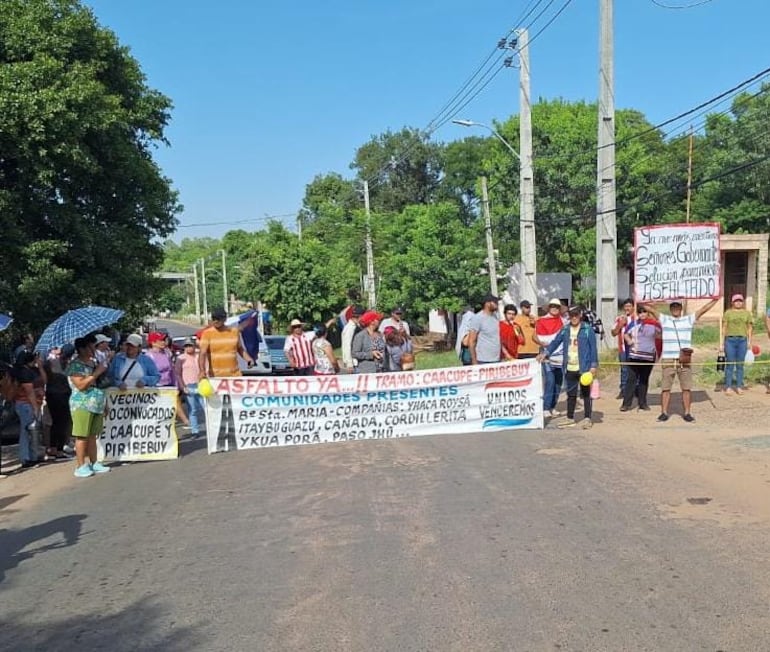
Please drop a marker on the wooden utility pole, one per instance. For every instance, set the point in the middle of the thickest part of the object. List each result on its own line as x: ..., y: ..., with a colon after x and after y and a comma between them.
x: 491, y: 263
x: 606, y: 227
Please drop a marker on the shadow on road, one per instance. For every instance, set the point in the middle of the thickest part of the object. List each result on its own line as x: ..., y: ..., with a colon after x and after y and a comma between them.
x: 18, y: 545
x: 141, y: 626
x: 9, y: 500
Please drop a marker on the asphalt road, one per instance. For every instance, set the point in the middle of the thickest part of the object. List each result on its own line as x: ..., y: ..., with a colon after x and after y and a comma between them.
x: 177, y: 328
x: 520, y: 541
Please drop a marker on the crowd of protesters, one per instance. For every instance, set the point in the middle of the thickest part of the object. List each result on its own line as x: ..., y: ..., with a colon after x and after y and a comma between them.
x: 60, y: 398
x: 564, y: 341
x: 63, y: 393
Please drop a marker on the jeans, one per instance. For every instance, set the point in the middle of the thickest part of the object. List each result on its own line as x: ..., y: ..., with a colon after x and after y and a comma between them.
x: 623, y: 358
x: 553, y: 379
x: 194, y: 403
x: 735, y: 355
x: 26, y: 416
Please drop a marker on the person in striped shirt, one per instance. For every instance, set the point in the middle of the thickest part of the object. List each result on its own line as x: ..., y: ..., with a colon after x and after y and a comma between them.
x: 299, y: 349
x: 677, y: 335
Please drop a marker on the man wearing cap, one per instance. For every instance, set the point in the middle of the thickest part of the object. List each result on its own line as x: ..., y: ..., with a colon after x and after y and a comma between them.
x: 484, y: 333
x: 132, y: 368
x: 348, y: 333
x: 298, y: 348
x: 220, y: 347
x: 677, y: 335
x: 396, y: 321
x: 546, y: 330
x: 526, y: 321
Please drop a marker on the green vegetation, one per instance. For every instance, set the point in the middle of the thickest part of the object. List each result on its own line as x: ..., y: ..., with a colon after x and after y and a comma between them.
x: 426, y: 224
x: 83, y: 206
x: 86, y: 213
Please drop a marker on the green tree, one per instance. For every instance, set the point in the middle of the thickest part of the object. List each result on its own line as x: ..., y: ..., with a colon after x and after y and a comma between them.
x: 427, y: 258
x: 83, y: 205
x: 404, y: 168
x: 564, y: 146
x: 293, y: 278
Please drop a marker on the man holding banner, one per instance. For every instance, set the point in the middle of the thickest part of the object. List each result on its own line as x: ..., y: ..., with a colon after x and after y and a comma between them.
x: 674, y: 360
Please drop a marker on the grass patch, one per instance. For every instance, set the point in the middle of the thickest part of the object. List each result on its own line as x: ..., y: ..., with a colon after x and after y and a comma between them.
x: 705, y: 334
x: 753, y: 374
x: 436, y: 360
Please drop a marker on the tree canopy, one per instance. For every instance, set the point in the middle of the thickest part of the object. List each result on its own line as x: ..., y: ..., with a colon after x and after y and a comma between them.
x: 83, y: 205
x: 427, y: 231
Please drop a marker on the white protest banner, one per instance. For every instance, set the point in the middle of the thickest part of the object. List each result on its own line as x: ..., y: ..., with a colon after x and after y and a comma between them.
x: 677, y: 261
x: 139, y: 426
x: 267, y: 412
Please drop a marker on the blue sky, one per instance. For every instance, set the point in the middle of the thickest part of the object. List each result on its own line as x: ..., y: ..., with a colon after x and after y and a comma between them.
x: 268, y: 95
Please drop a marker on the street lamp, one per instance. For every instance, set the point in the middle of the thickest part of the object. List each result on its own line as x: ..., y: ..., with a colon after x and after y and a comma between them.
x: 528, y: 287
x: 471, y: 123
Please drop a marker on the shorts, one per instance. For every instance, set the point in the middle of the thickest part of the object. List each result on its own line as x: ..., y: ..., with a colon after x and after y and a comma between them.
x: 86, y: 424
x: 672, y: 369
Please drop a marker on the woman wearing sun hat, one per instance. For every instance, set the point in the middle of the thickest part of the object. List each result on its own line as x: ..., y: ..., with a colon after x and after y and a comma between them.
x: 737, y: 325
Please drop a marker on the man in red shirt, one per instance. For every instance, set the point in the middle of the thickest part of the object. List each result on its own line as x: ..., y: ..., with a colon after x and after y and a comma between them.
x: 546, y: 329
x: 510, y: 334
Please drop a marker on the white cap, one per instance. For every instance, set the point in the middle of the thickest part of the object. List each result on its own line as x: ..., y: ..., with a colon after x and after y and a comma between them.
x: 102, y: 338
x: 134, y: 339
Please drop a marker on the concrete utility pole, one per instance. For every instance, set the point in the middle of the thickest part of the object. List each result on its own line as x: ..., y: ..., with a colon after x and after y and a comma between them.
x: 203, y: 283
x: 370, y: 283
x: 689, y: 176
x: 606, y: 228
x: 197, y: 294
x: 226, y: 301
x: 526, y: 177
x: 492, y: 264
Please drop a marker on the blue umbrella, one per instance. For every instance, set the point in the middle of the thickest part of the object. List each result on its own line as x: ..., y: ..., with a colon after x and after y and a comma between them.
x: 76, y: 323
x: 5, y: 321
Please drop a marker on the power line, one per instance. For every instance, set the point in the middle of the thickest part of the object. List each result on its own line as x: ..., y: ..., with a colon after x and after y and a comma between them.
x: 258, y: 220
x: 698, y: 3
x: 465, y: 95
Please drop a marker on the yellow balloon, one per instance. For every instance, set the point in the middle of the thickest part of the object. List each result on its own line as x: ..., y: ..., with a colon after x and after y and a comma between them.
x: 205, y: 388
x: 586, y: 379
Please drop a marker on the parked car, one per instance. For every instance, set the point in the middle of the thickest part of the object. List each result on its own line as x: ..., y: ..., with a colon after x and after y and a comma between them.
x: 278, y: 357
x: 271, y: 358
x: 262, y: 365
